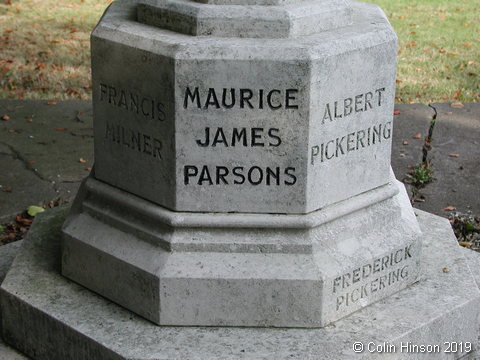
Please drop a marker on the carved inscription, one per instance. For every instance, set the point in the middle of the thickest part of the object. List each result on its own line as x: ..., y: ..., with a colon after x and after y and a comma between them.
x: 133, y: 140
x: 139, y: 104
x: 352, y: 105
x: 253, y: 137
x: 211, y: 98
x: 373, y: 277
x: 146, y: 107
x: 353, y: 141
x: 238, y: 175
x: 224, y: 98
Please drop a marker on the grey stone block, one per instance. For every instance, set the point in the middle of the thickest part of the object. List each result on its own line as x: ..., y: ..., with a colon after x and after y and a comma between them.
x: 63, y: 320
x: 242, y: 269
x: 307, y: 128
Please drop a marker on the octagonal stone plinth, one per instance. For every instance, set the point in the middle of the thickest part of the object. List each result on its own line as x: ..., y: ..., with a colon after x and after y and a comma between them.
x: 177, y: 268
x: 210, y: 124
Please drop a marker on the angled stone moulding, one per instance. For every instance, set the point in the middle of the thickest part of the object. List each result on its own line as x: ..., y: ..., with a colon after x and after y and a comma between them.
x: 179, y: 268
x: 263, y: 19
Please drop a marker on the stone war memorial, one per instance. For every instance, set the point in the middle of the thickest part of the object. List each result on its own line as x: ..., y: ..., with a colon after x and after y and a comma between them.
x: 242, y: 204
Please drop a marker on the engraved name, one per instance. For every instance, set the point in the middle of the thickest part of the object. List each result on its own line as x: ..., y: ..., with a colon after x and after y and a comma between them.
x: 252, y: 137
x: 238, y: 175
x: 224, y: 98
x: 350, y: 142
x: 393, y: 266
x: 133, y: 140
x: 352, y: 105
x: 139, y: 104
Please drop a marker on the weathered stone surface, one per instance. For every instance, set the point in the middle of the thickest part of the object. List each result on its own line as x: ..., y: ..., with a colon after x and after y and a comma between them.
x: 311, y: 130
x: 40, y: 150
x: 63, y: 320
x: 242, y: 269
x: 258, y: 21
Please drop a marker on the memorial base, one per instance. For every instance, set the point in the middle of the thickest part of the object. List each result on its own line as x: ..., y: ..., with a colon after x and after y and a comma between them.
x: 241, y: 269
x: 46, y: 316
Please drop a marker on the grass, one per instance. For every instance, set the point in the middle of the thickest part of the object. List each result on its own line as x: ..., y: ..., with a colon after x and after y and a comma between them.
x: 439, y: 47
x: 45, y: 48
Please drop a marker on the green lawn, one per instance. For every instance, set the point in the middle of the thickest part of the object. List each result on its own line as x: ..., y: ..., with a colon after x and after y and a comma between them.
x: 44, y: 49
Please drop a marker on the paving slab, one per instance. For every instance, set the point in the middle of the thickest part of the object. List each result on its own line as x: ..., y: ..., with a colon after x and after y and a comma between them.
x: 7, y: 254
x: 40, y: 150
x: 456, y: 179
x: 454, y: 154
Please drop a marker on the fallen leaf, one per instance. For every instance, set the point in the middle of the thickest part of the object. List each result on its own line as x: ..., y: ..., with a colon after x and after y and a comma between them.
x: 24, y: 221
x: 417, y: 136
x: 88, y: 169
x: 34, y: 210
x: 446, y: 270
x: 29, y: 120
x: 405, y: 142
x: 464, y: 243
x: 82, y: 160
x: 396, y: 112
x: 450, y: 208
x: 457, y: 105
x: 449, y: 113
x: 51, y: 102
x: 60, y: 129
x: 454, y: 155
x: 7, y: 189
x: 5, y: 117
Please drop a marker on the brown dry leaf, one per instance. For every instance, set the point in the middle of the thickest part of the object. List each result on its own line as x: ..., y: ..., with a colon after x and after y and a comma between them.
x: 446, y: 270
x: 22, y: 220
x: 51, y: 102
x: 88, y: 169
x: 82, y: 160
x: 7, y: 189
x: 453, y: 53
x: 464, y: 243
x: 467, y: 44
x: 60, y: 129
x: 454, y: 155
x: 425, y: 87
x: 457, y: 95
x: 5, y: 117
x: 411, y: 44
x: 457, y: 105
x: 29, y: 120
x: 40, y: 66
x: 396, y: 112
x: 450, y: 208
x: 470, y: 62
x: 405, y: 142
x: 398, y: 81
x: 417, y: 136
